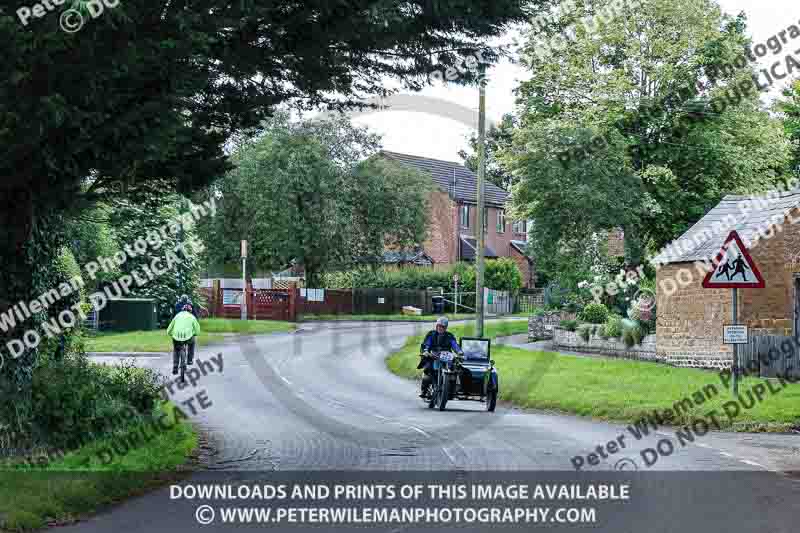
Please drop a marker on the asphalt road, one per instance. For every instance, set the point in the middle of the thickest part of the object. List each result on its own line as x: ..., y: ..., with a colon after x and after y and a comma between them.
x: 320, y: 402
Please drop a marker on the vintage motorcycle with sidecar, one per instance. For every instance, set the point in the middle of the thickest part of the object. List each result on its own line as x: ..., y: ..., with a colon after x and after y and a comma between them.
x: 471, y: 377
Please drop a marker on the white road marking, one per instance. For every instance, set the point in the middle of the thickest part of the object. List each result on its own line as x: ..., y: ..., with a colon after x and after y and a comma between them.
x: 753, y: 463
x: 449, y: 455
x: 379, y: 416
x: 286, y: 380
x: 702, y: 445
x: 725, y: 454
x: 419, y: 431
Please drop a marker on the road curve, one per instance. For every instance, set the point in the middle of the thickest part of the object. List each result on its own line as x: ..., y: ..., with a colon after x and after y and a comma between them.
x: 321, y: 399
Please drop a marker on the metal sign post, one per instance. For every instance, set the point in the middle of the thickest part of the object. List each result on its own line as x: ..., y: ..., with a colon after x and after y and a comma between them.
x: 735, y: 346
x: 244, y: 280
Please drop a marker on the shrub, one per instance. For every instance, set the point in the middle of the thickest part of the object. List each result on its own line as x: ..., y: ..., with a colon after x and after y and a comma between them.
x: 612, y: 329
x: 74, y: 399
x: 569, y: 325
x: 503, y: 275
x: 594, y: 313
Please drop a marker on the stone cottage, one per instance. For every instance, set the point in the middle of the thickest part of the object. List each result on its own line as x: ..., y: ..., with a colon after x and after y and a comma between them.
x: 691, y: 318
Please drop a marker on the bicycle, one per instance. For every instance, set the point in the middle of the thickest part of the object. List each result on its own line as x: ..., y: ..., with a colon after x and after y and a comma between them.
x: 183, y: 355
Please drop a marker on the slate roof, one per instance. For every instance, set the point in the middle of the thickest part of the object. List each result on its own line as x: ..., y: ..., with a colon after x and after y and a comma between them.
x: 748, y: 215
x: 469, y: 247
x: 442, y: 172
x: 519, y: 246
x: 395, y: 257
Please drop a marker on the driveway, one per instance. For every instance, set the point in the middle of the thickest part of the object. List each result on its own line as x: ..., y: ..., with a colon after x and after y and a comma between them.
x: 321, y: 400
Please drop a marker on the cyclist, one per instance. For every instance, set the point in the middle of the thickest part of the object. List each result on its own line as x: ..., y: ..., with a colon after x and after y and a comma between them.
x: 437, y: 340
x: 183, y: 329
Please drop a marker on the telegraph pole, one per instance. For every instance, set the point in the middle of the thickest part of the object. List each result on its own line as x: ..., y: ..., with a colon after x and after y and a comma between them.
x: 480, y: 201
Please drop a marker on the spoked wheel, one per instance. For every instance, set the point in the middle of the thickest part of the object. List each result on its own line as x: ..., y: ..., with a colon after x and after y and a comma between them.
x: 444, y: 385
x: 183, y: 354
x: 434, y: 390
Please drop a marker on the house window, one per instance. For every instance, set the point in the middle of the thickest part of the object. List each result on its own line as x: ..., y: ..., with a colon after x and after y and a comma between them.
x: 501, y: 221
x: 519, y: 227
x: 465, y: 216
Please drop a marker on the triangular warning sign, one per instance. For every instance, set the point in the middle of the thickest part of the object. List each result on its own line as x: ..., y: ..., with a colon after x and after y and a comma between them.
x: 734, y: 268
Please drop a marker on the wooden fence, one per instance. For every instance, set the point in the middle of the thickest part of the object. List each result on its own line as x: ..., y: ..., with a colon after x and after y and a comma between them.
x: 293, y: 302
x: 770, y: 356
x: 389, y: 301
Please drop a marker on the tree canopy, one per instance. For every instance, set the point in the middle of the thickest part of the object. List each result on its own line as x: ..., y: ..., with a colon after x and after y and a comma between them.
x: 143, y: 99
x: 315, y: 193
x: 644, y: 121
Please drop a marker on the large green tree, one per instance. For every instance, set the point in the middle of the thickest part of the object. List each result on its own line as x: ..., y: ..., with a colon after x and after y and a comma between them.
x: 789, y: 106
x: 143, y: 98
x: 644, y: 121
x: 309, y: 193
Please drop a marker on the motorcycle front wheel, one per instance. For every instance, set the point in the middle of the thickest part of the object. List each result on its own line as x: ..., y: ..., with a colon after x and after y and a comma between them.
x: 434, y: 388
x: 444, y: 386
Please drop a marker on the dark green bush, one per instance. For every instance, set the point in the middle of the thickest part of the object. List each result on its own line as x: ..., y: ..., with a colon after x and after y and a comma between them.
x: 594, y: 313
x: 569, y: 325
x: 74, y: 399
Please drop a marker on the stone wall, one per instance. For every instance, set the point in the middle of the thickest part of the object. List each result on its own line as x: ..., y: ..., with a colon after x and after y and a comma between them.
x: 690, y: 319
x: 571, y: 340
x: 541, y: 327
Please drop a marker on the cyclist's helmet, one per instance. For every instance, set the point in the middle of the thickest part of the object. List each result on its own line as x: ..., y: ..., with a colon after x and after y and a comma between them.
x: 187, y: 307
x: 442, y: 321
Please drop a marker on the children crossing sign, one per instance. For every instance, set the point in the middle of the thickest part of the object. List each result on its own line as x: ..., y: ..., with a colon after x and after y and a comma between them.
x: 733, y: 267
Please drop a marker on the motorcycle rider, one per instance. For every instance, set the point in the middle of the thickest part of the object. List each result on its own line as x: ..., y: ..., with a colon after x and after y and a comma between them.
x: 437, y: 340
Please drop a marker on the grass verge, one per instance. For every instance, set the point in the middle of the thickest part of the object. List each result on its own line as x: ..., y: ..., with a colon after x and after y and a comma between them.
x: 625, y: 390
x: 212, y: 330
x: 404, y: 362
x: 84, y: 480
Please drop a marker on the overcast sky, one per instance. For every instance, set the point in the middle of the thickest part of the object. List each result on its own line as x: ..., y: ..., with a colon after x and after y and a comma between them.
x: 429, y: 135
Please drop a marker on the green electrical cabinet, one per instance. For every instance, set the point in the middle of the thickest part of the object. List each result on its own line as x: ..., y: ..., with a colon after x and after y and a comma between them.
x: 129, y: 314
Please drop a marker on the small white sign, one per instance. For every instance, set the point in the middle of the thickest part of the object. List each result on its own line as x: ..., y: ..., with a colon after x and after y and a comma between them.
x: 381, y: 300
x: 232, y: 297
x: 734, y: 334
x: 244, y: 248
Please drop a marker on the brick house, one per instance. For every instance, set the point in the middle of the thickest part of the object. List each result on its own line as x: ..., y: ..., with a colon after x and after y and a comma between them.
x: 690, y: 317
x: 453, y: 217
